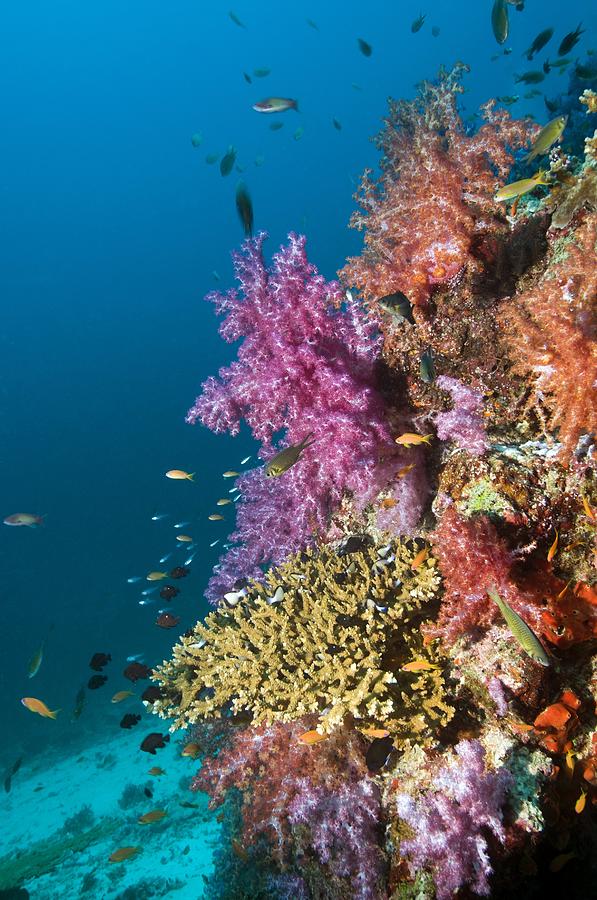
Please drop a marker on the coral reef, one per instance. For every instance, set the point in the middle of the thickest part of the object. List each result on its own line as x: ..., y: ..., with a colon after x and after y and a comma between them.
x: 370, y: 724
x: 327, y: 632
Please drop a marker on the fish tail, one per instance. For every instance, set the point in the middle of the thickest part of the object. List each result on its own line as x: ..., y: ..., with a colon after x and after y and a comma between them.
x: 53, y: 713
x: 295, y: 106
x: 191, y: 477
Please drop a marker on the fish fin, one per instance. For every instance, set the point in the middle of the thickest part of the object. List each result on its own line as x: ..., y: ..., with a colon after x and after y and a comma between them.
x: 295, y: 106
x: 191, y: 477
x: 54, y: 713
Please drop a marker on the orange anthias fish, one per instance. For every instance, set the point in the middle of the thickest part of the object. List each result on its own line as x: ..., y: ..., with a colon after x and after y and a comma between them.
x: 184, y: 539
x: 418, y: 665
x: 581, y: 802
x: 192, y: 750
x: 409, y: 439
x: 156, y: 576
x: 157, y: 771
x: 119, y: 696
x: 589, y: 511
x: 123, y: 853
x: 154, y: 816
x: 216, y: 517
x: 388, y: 503
x: 420, y: 558
x: 180, y: 475
x: 404, y: 470
x: 312, y: 737
x: 554, y: 547
x: 375, y: 732
x: 39, y: 707
x: 28, y: 519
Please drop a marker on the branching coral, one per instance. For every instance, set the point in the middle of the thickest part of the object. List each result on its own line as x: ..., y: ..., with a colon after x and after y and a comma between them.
x: 309, y: 802
x: 334, y: 645
x: 307, y: 366
x: 434, y: 200
x: 448, y: 822
x: 551, y: 333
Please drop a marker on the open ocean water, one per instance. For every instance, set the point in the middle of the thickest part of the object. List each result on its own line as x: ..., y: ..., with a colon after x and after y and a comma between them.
x: 116, y: 220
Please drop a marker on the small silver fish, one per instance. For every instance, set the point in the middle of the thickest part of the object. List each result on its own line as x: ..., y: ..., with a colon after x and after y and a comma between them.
x: 134, y: 579
x: 521, y: 631
x: 245, y: 460
x: 159, y: 516
x: 182, y: 524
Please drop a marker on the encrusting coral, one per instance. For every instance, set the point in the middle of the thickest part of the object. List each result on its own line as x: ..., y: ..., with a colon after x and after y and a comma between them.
x: 334, y: 644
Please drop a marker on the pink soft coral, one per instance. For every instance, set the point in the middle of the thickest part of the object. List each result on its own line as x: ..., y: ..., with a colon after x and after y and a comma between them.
x: 433, y: 204
x: 463, y: 424
x: 306, y: 364
x: 325, y: 788
x: 448, y: 822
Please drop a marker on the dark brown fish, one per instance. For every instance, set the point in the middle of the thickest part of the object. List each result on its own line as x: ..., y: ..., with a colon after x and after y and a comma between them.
x: 96, y: 681
x: 12, y: 771
x: 148, y: 792
x: 378, y: 753
x: 136, y: 671
x: 179, y: 572
x: 169, y: 592
x: 98, y: 661
x: 154, y: 741
x: 571, y: 39
x: 167, y: 620
x: 129, y: 720
x: 151, y: 694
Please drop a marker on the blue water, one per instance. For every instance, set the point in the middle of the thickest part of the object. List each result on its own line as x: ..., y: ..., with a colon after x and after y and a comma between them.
x: 112, y: 224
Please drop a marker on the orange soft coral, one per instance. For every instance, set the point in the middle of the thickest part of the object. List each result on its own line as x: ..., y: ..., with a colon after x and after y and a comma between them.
x: 434, y: 200
x: 550, y: 329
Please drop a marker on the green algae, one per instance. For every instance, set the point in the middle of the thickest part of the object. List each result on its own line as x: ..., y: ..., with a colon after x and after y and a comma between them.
x: 483, y: 498
x: 46, y: 855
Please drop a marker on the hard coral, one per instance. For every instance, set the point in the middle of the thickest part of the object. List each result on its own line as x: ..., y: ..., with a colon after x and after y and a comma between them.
x: 550, y: 330
x: 308, y: 802
x: 433, y: 203
x: 326, y: 633
x: 448, y: 822
x: 305, y: 366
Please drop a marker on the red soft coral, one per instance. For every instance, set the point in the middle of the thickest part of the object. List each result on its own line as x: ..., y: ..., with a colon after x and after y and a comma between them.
x: 472, y: 557
x: 551, y: 332
x: 433, y: 204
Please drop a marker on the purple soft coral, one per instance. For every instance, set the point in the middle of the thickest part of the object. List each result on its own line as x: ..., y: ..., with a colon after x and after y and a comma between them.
x: 306, y: 365
x: 448, y: 822
x: 462, y: 424
x: 344, y: 825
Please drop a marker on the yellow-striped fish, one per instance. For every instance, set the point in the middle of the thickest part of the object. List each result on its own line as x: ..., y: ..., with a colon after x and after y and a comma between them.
x: 548, y: 135
x: 518, y: 188
x: 520, y: 630
x: 285, y: 459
